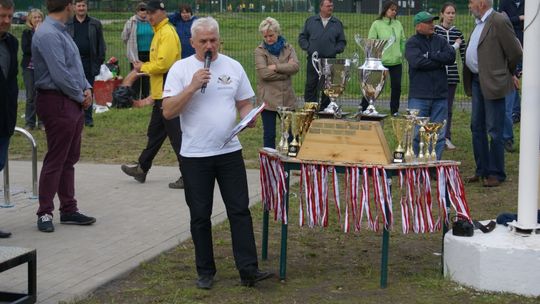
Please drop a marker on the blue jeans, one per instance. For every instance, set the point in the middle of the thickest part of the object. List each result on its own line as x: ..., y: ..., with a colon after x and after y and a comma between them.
x: 4, y: 145
x: 509, y: 101
x: 269, y: 128
x: 487, y: 118
x: 437, y: 111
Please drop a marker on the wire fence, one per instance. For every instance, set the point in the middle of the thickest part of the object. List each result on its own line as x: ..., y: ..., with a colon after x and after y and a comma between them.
x: 239, y: 20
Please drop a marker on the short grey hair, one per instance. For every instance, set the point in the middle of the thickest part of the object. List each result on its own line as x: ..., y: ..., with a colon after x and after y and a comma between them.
x: 270, y: 24
x: 206, y: 23
x: 7, y: 4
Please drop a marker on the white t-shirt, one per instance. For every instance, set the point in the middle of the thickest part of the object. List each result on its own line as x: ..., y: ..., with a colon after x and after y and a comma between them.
x: 208, y: 119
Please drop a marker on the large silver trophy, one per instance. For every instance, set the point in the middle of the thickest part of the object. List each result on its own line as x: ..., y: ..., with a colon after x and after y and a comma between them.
x: 372, y: 74
x: 336, y: 73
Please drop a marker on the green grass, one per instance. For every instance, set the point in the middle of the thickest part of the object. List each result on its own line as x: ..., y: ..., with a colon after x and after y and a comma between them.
x: 324, y: 265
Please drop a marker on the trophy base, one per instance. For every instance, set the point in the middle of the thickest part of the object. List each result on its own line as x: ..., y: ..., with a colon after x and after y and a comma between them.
x: 399, y: 157
x: 323, y: 114
x: 293, y: 151
x: 373, y: 117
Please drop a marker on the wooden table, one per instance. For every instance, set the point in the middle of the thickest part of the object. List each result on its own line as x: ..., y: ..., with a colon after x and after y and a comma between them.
x: 290, y: 164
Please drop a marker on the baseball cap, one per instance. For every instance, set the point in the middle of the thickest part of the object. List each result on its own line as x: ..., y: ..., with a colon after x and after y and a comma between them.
x: 154, y: 5
x: 424, y: 17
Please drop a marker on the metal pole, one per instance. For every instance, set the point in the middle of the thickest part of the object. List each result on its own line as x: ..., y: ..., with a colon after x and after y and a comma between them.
x: 34, y: 160
x: 283, y: 254
x: 7, y: 194
x: 530, y: 125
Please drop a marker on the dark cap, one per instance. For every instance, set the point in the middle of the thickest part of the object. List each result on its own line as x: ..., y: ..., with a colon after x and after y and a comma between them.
x: 154, y: 5
x: 140, y: 5
x: 424, y: 16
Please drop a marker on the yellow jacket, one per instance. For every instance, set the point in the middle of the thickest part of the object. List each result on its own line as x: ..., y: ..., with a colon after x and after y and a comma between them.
x: 164, y: 51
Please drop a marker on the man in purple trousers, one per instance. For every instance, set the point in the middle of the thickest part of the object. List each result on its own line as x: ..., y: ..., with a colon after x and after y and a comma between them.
x: 62, y: 95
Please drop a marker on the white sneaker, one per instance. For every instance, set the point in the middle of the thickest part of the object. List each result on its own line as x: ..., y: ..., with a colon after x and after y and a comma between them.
x: 450, y: 145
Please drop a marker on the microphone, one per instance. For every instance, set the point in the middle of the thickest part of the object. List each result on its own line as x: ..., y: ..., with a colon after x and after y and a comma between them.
x: 207, y: 61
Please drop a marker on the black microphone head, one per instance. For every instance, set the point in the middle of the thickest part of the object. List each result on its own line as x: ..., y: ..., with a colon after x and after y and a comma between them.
x: 208, y: 54
x: 207, y: 59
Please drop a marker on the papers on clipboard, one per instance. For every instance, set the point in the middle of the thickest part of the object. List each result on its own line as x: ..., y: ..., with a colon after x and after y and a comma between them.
x: 244, y: 123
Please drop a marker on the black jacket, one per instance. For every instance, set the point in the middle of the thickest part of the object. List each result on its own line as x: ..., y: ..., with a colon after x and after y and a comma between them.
x: 327, y: 41
x: 428, y: 57
x: 9, y: 90
x: 95, y: 34
x: 513, y: 12
x: 26, y: 47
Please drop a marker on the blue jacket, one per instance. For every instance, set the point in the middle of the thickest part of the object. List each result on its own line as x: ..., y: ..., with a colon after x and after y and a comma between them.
x: 183, y: 29
x: 9, y: 90
x: 328, y: 41
x: 428, y: 57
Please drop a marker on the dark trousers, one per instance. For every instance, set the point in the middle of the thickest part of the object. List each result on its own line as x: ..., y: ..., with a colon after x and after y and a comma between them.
x: 451, y: 97
x: 63, y: 119
x: 313, y: 86
x: 395, y: 72
x: 4, y: 146
x: 141, y: 86
x: 160, y: 128
x: 30, y: 110
x: 269, y: 128
x: 200, y: 174
x: 87, y: 66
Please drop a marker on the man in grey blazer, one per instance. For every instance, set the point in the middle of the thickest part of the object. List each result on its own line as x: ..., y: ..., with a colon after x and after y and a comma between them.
x: 491, y: 58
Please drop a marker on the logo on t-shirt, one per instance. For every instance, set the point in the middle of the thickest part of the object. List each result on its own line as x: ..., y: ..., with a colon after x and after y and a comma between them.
x: 224, y: 79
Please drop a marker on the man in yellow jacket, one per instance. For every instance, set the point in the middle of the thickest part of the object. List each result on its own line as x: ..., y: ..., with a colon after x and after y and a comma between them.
x: 164, y: 51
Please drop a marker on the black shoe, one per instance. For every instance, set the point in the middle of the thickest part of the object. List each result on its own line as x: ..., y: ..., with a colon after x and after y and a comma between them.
x: 205, y: 281
x: 4, y: 234
x: 179, y: 184
x: 257, y: 276
x: 516, y: 118
x: 136, y: 172
x: 76, y: 218
x: 45, y: 224
x: 509, y: 146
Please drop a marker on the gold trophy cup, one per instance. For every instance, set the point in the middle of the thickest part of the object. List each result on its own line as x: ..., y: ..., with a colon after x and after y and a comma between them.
x: 286, y: 115
x: 297, y: 125
x: 399, y: 125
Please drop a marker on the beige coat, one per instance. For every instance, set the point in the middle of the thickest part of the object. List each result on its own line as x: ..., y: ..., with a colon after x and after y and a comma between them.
x: 275, y: 88
x: 499, y: 51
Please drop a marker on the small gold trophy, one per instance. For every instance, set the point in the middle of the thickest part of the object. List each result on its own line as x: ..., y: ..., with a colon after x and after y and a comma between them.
x: 433, y: 130
x: 410, y: 115
x: 297, y: 128
x: 285, y: 113
x: 399, y: 126
x: 421, y: 122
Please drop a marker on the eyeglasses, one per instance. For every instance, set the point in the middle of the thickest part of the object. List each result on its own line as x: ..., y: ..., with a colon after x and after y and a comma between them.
x: 142, y: 10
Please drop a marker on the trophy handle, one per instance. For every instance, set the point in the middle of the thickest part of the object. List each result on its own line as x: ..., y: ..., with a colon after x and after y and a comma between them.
x: 359, y: 40
x: 316, y: 63
x: 355, y: 59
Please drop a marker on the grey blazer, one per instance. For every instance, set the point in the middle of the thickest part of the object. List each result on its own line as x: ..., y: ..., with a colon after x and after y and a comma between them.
x: 499, y: 52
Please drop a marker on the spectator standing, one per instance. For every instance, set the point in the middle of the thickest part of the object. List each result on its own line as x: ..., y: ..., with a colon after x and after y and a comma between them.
x: 63, y: 92
x: 275, y: 63
x: 87, y: 32
x: 428, y: 54
x: 515, y: 10
x: 164, y: 51
x: 9, y: 47
x: 137, y: 36
x: 322, y: 33
x: 491, y: 58
x: 182, y: 21
x: 454, y: 37
x: 207, y: 119
x: 34, y: 19
x: 385, y: 27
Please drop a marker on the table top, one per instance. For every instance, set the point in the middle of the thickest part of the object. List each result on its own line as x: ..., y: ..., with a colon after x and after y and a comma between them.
x: 8, y: 253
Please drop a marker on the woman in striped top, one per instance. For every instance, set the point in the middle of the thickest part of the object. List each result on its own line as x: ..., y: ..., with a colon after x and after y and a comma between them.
x: 455, y: 38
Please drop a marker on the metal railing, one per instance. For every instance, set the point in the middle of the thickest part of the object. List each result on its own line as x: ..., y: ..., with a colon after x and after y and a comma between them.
x: 7, y: 191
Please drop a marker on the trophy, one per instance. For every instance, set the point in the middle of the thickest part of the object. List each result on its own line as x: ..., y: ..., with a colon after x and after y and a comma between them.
x: 432, y: 136
x: 410, y: 116
x: 285, y: 114
x: 297, y: 128
x: 399, y: 125
x: 372, y: 74
x: 336, y: 73
x: 421, y: 122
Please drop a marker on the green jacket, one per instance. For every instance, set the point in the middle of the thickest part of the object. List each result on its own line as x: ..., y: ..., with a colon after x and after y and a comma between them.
x: 383, y: 29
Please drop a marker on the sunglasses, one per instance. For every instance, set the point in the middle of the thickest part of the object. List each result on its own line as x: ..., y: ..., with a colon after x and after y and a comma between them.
x: 142, y: 10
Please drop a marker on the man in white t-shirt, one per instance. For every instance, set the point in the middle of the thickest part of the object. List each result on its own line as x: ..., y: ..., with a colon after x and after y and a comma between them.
x: 207, y: 118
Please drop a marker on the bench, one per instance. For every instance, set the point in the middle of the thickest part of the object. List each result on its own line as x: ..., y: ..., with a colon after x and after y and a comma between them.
x: 11, y: 257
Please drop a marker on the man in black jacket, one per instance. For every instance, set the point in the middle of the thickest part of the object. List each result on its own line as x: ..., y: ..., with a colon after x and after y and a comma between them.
x: 87, y: 32
x: 428, y: 55
x: 322, y: 33
x: 8, y: 83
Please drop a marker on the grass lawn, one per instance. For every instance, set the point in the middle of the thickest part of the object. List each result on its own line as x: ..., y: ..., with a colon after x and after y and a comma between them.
x: 324, y: 265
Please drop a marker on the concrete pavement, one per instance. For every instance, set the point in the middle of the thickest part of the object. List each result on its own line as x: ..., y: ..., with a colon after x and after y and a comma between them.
x: 135, y: 222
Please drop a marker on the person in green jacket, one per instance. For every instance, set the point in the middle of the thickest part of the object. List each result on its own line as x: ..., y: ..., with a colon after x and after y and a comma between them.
x: 385, y: 27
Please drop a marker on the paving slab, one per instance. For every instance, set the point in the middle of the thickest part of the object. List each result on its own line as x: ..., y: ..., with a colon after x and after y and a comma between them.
x: 135, y: 223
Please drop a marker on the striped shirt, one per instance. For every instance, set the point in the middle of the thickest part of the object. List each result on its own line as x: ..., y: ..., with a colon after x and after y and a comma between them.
x: 451, y: 35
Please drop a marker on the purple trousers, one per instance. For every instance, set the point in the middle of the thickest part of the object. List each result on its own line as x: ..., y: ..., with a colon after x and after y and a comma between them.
x: 63, y: 119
